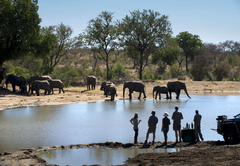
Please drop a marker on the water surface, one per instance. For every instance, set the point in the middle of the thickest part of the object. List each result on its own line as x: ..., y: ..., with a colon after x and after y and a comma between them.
x: 100, y: 156
x: 82, y: 123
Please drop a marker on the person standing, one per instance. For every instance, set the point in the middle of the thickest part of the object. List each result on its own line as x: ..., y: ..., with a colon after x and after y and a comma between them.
x: 177, y: 117
x: 165, y: 126
x: 197, y: 126
x: 152, y: 123
x: 135, y: 123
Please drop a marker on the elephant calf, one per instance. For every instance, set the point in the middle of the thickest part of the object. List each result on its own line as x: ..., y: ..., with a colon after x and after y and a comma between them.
x: 23, y: 88
x: 103, y: 86
x: 41, y: 84
x: 159, y: 90
x: 56, y: 83
x: 109, y: 89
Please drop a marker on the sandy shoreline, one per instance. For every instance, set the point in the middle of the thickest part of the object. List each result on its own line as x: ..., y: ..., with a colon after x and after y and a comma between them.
x: 9, y: 99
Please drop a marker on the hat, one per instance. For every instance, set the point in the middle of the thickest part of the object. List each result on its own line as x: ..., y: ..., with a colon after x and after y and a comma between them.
x: 166, y: 114
x: 153, y: 112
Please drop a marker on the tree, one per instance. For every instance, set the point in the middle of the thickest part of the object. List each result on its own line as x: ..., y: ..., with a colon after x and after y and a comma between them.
x: 101, y: 36
x: 19, y: 28
x: 141, y: 33
x: 191, y: 45
x: 213, y: 50
x: 56, y: 40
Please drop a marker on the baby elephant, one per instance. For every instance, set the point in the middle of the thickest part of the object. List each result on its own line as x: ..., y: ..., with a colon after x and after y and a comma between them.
x: 56, y: 83
x: 160, y: 89
x: 41, y: 84
x: 103, y: 86
x: 23, y: 88
x: 109, y: 89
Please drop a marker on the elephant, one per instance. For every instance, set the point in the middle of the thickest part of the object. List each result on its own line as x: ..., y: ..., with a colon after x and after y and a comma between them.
x: 91, y: 80
x: 15, y: 81
x: 112, y: 90
x: 159, y: 90
x: 176, y: 87
x: 104, y: 84
x: 109, y: 89
x: 56, y: 83
x: 41, y: 84
x: 136, y: 86
x: 23, y: 88
x: 33, y: 78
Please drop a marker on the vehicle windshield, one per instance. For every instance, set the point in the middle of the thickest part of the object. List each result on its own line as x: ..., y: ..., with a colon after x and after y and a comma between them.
x: 237, y: 116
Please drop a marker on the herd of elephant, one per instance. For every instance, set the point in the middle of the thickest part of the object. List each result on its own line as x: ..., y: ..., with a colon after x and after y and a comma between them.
x: 47, y: 83
x: 109, y: 88
x: 36, y: 83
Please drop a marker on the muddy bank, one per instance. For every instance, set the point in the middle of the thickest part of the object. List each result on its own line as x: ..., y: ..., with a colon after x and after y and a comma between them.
x: 192, y: 153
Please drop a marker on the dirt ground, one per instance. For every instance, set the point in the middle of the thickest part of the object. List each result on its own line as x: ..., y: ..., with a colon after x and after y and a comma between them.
x: 200, y: 153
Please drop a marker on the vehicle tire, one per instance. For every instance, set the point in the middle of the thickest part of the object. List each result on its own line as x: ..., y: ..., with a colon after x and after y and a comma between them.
x: 230, y: 135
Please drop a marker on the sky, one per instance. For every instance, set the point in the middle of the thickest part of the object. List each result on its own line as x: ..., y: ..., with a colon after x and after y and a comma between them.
x: 213, y: 21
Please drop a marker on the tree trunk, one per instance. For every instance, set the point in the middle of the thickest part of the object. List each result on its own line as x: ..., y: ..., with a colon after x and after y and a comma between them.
x: 108, y: 78
x: 95, y: 61
x: 140, y: 70
x: 187, y: 63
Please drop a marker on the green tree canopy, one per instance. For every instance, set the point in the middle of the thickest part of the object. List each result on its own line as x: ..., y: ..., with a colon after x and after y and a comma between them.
x: 56, y: 42
x: 141, y: 33
x: 101, y: 36
x: 19, y: 28
x: 191, y: 45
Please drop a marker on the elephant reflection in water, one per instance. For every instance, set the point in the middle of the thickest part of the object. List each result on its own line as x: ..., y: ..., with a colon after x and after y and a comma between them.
x: 176, y: 87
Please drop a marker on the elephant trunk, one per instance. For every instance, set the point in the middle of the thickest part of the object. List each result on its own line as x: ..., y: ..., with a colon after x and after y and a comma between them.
x: 185, y: 89
x: 124, y: 91
x: 153, y: 93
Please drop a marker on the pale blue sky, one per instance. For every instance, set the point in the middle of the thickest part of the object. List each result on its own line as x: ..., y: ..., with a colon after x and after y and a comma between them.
x: 213, y: 20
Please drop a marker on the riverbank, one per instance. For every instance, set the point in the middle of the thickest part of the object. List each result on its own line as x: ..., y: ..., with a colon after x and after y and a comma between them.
x: 9, y: 99
x: 197, y: 153
x: 210, y: 152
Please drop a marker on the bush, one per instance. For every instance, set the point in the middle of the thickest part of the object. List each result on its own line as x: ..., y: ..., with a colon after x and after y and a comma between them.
x: 119, y: 70
x: 181, y: 78
x: 66, y: 74
x: 166, y: 76
x: 201, y: 67
x: 174, y: 70
x: 148, y: 75
x: 221, y: 71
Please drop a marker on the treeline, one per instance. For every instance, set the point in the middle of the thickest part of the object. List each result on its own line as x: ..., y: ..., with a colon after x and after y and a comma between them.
x: 141, y: 41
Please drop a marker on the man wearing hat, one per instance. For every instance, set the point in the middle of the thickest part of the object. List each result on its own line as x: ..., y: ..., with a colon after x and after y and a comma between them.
x: 165, y: 126
x: 152, y: 122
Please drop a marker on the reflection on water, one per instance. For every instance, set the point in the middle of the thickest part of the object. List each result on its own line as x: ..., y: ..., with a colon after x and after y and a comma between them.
x: 101, y: 156
x: 105, y: 121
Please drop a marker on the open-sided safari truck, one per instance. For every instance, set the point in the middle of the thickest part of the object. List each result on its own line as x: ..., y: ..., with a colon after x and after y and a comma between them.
x: 229, y: 128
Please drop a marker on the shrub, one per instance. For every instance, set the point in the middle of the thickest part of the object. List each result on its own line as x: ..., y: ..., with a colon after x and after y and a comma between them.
x: 148, y: 74
x: 221, y: 71
x: 166, y: 76
x: 181, y: 78
x: 174, y: 70
x: 66, y: 74
x: 201, y: 67
x: 119, y: 70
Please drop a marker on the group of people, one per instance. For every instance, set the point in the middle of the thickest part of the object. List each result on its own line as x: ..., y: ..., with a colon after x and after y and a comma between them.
x: 176, y: 117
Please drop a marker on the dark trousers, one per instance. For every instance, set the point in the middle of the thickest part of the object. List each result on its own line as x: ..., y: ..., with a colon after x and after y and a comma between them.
x: 165, y: 131
x: 136, y: 135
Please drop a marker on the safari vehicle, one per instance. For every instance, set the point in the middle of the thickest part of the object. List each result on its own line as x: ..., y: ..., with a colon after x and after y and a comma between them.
x: 229, y: 128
